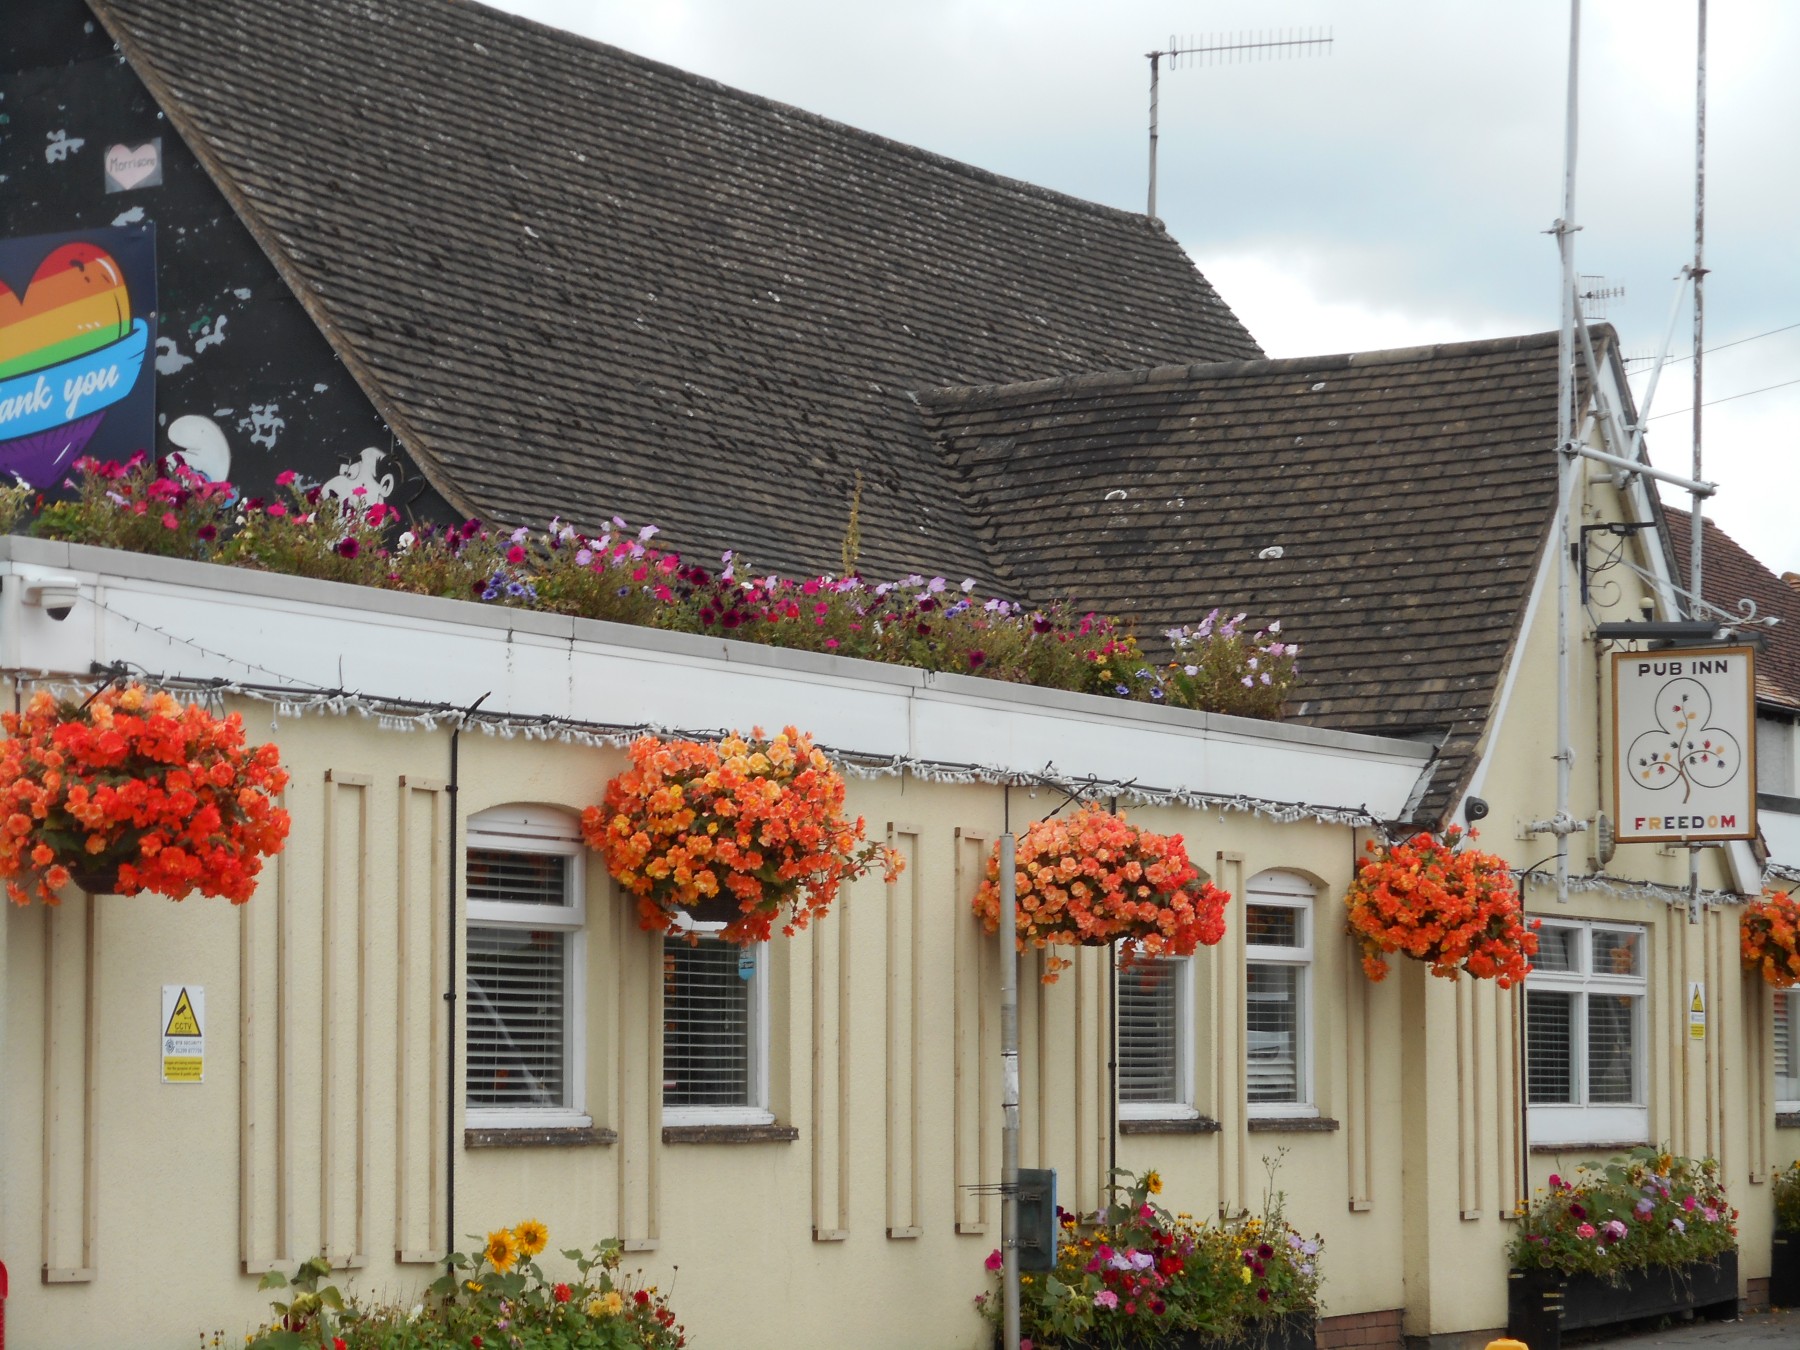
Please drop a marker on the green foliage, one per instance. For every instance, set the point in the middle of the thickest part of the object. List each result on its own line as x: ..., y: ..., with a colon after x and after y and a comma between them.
x: 1137, y: 1275
x: 1643, y: 1208
x: 1218, y: 665
x: 1786, y: 1195
x: 501, y: 1299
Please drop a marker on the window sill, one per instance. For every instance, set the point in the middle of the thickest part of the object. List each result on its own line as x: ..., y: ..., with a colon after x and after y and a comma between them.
x: 729, y: 1134
x: 1597, y: 1146
x: 1787, y: 1120
x: 1168, y: 1125
x: 525, y: 1136
x: 1292, y: 1125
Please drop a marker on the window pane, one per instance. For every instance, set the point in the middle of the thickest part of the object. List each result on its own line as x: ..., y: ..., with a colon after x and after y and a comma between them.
x: 1558, y: 949
x: 1550, y: 1048
x: 1618, y: 953
x: 1787, y: 1048
x: 1149, y: 1031
x: 518, y: 878
x: 1272, y: 1028
x: 517, y: 1024
x: 1611, y: 1060
x: 706, y: 1024
x: 1272, y: 926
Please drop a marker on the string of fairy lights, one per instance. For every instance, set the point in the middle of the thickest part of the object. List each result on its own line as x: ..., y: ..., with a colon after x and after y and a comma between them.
x: 288, y: 699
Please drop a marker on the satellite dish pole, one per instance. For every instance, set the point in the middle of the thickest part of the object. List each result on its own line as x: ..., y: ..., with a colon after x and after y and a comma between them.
x: 1217, y: 50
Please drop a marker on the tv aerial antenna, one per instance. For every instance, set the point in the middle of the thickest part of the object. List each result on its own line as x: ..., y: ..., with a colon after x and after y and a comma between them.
x: 1222, y: 49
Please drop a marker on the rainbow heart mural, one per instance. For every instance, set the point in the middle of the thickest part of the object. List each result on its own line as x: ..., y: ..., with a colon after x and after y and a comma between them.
x: 72, y: 349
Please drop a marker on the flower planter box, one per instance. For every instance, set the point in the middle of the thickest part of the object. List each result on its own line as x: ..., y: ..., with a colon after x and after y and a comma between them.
x: 1784, y: 1269
x: 1297, y: 1331
x: 1543, y: 1304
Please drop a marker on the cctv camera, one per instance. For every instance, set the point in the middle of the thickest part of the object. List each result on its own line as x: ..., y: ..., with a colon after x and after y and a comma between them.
x: 55, y: 595
x: 1475, y: 809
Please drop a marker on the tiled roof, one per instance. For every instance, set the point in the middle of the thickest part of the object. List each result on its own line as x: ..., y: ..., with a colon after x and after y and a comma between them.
x: 575, y: 281
x: 1729, y: 574
x: 1389, y: 508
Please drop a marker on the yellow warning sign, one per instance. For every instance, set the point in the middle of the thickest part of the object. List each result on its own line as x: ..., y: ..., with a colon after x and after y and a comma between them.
x: 1696, y: 1011
x: 182, y: 1021
x: 183, y: 1038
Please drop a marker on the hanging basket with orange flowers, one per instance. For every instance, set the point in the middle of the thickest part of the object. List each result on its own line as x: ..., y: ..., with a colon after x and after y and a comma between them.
x: 1769, y: 937
x: 1094, y: 878
x: 1453, y: 907
x: 750, y: 830
x: 133, y: 791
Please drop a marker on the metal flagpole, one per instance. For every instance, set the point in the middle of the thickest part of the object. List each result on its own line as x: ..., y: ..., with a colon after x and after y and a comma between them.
x: 1009, y: 1090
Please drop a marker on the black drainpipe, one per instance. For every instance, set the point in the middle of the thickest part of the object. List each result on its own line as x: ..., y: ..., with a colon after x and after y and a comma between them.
x: 453, y: 789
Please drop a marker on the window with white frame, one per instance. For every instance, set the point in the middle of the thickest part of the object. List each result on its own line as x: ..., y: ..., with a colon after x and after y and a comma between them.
x: 1585, y: 1033
x: 1278, y: 954
x: 715, y: 1030
x: 1156, y: 1038
x: 523, y: 1053
x: 1787, y: 1050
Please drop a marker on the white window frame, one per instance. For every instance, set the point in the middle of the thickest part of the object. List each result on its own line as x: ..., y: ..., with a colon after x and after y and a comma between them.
x: 757, y: 1111
x: 1791, y: 997
x: 536, y: 829
x: 1182, y: 1106
x: 1286, y: 890
x: 1581, y: 1122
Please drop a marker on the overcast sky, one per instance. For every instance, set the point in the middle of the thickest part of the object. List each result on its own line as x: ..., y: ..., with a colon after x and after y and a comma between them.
x: 1390, y: 193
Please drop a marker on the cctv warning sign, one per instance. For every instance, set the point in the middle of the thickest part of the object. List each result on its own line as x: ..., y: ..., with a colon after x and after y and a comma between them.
x: 1684, y: 745
x: 183, y: 1033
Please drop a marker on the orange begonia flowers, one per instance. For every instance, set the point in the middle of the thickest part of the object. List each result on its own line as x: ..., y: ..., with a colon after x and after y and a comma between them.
x: 1455, y: 908
x: 156, y: 794
x: 1094, y: 878
x: 1769, y: 936
x: 759, y: 821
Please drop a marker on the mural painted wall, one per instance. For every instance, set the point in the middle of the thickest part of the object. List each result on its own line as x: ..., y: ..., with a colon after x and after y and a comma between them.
x: 243, y: 384
x: 77, y: 318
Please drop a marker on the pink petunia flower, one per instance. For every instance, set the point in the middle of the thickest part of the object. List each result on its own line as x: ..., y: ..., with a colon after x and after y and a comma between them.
x: 1585, y: 1231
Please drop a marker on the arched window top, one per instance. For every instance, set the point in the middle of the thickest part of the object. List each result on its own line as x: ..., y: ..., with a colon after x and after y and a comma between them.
x: 1280, y: 883
x: 526, y: 825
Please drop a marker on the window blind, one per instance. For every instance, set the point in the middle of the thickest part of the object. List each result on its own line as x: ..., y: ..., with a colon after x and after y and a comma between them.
x: 1272, y: 1029
x: 1787, y: 1062
x: 1611, y: 1050
x: 1150, y: 1032
x: 1272, y: 926
x: 706, y: 1025
x: 1550, y: 1048
x: 517, y: 1025
x: 518, y: 878
x: 1558, y: 949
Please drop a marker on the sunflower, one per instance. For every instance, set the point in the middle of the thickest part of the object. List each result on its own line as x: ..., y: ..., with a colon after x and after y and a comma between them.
x: 502, y: 1249
x: 1153, y: 1182
x: 532, y: 1237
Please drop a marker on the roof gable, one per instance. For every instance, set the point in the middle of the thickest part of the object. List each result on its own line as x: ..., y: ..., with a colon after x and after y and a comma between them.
x: 578, y: 281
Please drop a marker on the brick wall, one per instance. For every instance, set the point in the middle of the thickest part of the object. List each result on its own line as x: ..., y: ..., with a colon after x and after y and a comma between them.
x: 1362, y: 1331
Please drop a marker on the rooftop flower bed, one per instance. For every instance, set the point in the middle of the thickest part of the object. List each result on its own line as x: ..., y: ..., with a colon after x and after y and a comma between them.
x: 931, y: 623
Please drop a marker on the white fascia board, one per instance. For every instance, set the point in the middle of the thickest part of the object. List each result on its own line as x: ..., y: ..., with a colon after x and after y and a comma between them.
x: 172, y: 617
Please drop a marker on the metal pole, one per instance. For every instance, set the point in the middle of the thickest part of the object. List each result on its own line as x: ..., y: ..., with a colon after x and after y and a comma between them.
x: 1637, y: 432
x: 1155, y: 61
x: 1565, y: 468
x: 1009, y: 1090
x: 1697, y: 525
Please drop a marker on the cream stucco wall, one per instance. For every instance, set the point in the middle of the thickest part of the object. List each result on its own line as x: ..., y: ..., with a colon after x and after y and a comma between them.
x: 322, y: 1121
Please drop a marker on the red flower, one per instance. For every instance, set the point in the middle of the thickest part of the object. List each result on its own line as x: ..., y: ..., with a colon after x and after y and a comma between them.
x: 337, y: 1343
x: 561, y: 1293
x: 162, y: 795
x: 348, y: 547
x: 641, y: 1298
